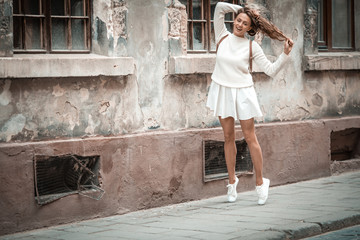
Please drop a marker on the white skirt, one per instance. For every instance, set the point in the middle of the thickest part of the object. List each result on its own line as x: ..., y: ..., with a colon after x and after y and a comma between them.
x: 239, y: 103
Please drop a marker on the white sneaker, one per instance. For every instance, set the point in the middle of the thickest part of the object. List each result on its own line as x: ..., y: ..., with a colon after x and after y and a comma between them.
x: 263, y: 191
x: 232, y: 194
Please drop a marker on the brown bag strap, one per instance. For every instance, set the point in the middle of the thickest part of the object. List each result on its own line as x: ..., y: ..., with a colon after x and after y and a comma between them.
x: 250, y: 56
x: 217, y: 45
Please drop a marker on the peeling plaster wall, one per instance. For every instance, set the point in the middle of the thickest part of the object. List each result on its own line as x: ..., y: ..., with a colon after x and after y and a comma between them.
x: 150, y: 50
x: 109, y: 23
x: 48, y: 108
x: 6, y: 28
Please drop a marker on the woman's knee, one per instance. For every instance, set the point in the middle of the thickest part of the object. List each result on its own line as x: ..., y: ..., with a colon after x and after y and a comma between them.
x: 250, y: 137
x: 229, y: 136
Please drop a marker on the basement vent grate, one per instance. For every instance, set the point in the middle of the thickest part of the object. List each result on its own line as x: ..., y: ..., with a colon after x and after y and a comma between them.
x: 345, y: 144
x: 214, y: 165
x: 60, y: 176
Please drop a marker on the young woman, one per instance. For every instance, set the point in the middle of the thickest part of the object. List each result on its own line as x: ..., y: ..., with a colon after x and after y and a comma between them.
x: 231, y: 95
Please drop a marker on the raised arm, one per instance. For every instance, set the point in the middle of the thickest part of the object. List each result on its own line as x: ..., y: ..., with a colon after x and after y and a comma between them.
x: 269, y: 68
x: 219, y: 18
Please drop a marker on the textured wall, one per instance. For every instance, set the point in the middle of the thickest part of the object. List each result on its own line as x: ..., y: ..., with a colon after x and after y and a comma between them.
x: 109, y: 23
x: 48, y: 108
x: 155, y: 169
x: 151, y: 99
x: 6, y: 28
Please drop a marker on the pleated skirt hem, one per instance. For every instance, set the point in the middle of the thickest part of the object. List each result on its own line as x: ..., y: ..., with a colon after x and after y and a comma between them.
x: 238, y: 103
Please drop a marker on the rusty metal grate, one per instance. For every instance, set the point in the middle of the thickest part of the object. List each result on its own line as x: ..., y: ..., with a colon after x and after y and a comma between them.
x: 214, y: 165
x: 59, y: 176
x: 345, y: 144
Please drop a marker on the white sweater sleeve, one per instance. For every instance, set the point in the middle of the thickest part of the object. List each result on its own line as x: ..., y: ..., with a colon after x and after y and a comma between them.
x: 269, y: 68
x: 219, y: 18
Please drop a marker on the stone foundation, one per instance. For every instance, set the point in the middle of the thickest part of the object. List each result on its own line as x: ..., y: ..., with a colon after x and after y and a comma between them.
x: 154, y: 169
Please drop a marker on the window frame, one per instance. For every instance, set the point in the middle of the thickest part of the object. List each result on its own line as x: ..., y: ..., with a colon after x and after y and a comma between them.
x: 46, y: 17
x: 206, y: 22
x: 326, y: 45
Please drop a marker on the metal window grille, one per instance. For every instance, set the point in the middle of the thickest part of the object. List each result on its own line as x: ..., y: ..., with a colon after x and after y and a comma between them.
x: 60, y: 176
x: 214, y: 164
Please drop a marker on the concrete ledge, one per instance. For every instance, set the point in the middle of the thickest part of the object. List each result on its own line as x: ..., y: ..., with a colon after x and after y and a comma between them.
x: 64, y: 65
x: 338, y: 167
x: 332, y: 61
x: 198, y: 63
x: 192, y: 63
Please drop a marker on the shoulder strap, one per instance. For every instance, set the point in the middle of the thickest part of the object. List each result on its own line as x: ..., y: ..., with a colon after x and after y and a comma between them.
x: 217, y: 45
x: 250, y: 56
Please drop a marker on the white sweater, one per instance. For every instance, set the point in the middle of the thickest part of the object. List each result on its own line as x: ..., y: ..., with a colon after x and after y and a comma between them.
x: 232, y: 59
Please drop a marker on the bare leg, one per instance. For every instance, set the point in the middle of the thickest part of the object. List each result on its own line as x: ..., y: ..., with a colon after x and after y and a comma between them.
x: 228, y: 126
x: 248, y: 130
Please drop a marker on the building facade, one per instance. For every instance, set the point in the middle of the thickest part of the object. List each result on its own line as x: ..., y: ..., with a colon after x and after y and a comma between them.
x: 126, y: 81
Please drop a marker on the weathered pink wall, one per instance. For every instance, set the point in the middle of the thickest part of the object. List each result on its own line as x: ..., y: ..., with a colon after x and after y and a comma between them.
x: 155, y: 169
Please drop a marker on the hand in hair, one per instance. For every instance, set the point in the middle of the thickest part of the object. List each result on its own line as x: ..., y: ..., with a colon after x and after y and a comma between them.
x: 288, y: 46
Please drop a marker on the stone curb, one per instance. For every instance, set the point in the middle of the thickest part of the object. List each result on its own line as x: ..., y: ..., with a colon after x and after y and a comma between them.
x: 309, y: 228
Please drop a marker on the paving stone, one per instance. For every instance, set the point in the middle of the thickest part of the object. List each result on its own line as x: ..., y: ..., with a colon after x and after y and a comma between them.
x: 212, y: 236
x: 177, y: 233
x: 48, y: 233
x: 121, y: 234
x: 265, y: 235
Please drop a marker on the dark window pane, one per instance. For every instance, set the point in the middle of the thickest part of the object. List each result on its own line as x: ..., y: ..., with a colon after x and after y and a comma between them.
x: 31, y: 7
x: 16, y: 6
x: 341, y: 23
x: 212, y: 38
x: 189, y: 36
x: 321, y: 21
x: 197, y: 9
x: 198, y: 36
x: 229, y: 27
x: 33, y: 33
x: 58, y: 34
x: 212, y: 8
x: 58, y: 7
x: 17, y: 33
x: 77, y: 7
x: 231, y: 1
x: 229, y: 17
x: 78, y: 34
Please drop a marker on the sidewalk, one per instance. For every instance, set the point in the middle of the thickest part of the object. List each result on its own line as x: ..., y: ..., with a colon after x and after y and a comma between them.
x: 292, y: 211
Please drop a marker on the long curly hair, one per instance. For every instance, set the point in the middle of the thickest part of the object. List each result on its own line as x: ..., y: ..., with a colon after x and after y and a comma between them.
x: 259, y: 23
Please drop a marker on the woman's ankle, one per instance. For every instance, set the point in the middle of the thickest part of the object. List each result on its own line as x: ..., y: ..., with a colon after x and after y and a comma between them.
x: 259, y: 182
x: 232, y: 180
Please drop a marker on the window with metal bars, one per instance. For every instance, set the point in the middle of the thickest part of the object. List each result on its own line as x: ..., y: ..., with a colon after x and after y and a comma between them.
x: 51, y: 26
x: 58, y: 176
x: 214, y: 164
x: 336, y: 25
x: 200, y: 34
